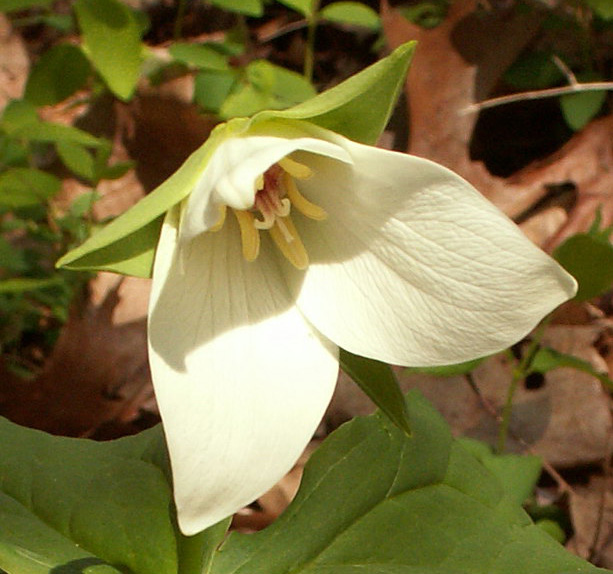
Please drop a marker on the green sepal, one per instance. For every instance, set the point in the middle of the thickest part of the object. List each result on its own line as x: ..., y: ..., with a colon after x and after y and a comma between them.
x: 360, y: 107
x: 127, y: 244
x: 378, y: 381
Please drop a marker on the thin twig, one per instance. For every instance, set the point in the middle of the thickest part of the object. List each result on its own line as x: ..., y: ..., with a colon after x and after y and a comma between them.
x: 537, y: 95
x: 570, y: 75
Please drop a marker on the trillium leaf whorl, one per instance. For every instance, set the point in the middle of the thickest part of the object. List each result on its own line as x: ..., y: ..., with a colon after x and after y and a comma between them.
x: 296, y: 241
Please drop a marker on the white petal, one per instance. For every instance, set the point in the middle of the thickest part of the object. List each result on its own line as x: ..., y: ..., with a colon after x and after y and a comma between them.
x: 242, y: 380
x: 229, y: 177
x: 413, y: 266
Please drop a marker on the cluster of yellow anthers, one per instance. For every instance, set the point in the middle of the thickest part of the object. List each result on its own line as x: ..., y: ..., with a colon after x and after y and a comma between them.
x: 275, y: 194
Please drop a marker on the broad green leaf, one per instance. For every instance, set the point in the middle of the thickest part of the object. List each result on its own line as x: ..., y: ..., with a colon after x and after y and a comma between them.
x: 546, y: 359
x: 518, y: 474
x: 359, y: 107
x: 373, y: 500
x: 247, y: 7
x: 590, y: 260
x: 602, y: 8
x: 378, y: 381
x: 199, y: 55
x: 69, y: 503
x: 211, y: 89
x: 304, y: 7
x: 12, y: 5
x: 127, y: 244
x: 112, y: 40
x: 23, y: 187
x: 352, y: 13
x: 448, y: 370
x: 77, y: 159
x: 578, y: 109
x: 59, y: 73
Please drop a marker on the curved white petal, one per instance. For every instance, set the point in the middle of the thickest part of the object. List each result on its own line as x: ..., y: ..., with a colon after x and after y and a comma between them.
x: 230, y: 175
x: 413, y: 266
x: 241, y: 378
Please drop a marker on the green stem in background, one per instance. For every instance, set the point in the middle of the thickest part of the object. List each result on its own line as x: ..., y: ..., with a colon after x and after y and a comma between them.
x: 177, y: 30
x: 245, y: 34
x: 520, y: 372
x: 309, y: 53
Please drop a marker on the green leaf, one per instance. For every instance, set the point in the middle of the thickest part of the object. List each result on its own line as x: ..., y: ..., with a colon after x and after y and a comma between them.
x: 112, y: 40
x: 602, y: 8
x: 12, y: 5
x: 77, y: 159
x: 374, y: 500
x: 212, y: 88
x: 448, y: 370
x: 268, y: 87
x: 59, y: 73
x: 127, y: 244
x: 578, y: 109
x: 48, y: 132
x: 590, y: 260
x: 546, y: 359
x: 247, y: 7
x: 424, y: 14
x: 24, y: 187
x: 199, y: 55
x: 359, y: 107
x: 70, y: 503
x: 352, y: 13
x: 304, y: 7
x: 23, y: 284
x: 533, y: 70
x: 518, y: 474
x: 378, y: 381
x: 17, y: 114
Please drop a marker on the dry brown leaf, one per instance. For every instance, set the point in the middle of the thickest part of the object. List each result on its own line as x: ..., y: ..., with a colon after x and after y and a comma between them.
x: 591, y: 510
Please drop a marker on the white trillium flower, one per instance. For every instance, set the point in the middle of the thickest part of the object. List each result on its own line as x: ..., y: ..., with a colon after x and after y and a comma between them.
x: 296, y: 241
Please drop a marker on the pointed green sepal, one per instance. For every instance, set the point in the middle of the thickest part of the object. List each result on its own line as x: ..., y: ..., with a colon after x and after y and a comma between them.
x: 127, y: 244
x: 360, y: 107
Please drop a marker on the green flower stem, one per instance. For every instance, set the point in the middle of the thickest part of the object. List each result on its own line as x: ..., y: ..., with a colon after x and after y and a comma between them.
x: 309, y: 54
x: 178, y: 26
x: 520, y: 372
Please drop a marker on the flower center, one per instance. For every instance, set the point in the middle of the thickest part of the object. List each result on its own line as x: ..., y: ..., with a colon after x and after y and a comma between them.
x: 275, y: 195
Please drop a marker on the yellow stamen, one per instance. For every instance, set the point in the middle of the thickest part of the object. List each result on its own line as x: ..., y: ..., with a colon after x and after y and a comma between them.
x: 285, y: 235
x: 295, y: 169
x: 221, y: 220
x: 250, y: 236
x: 301, y: 203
